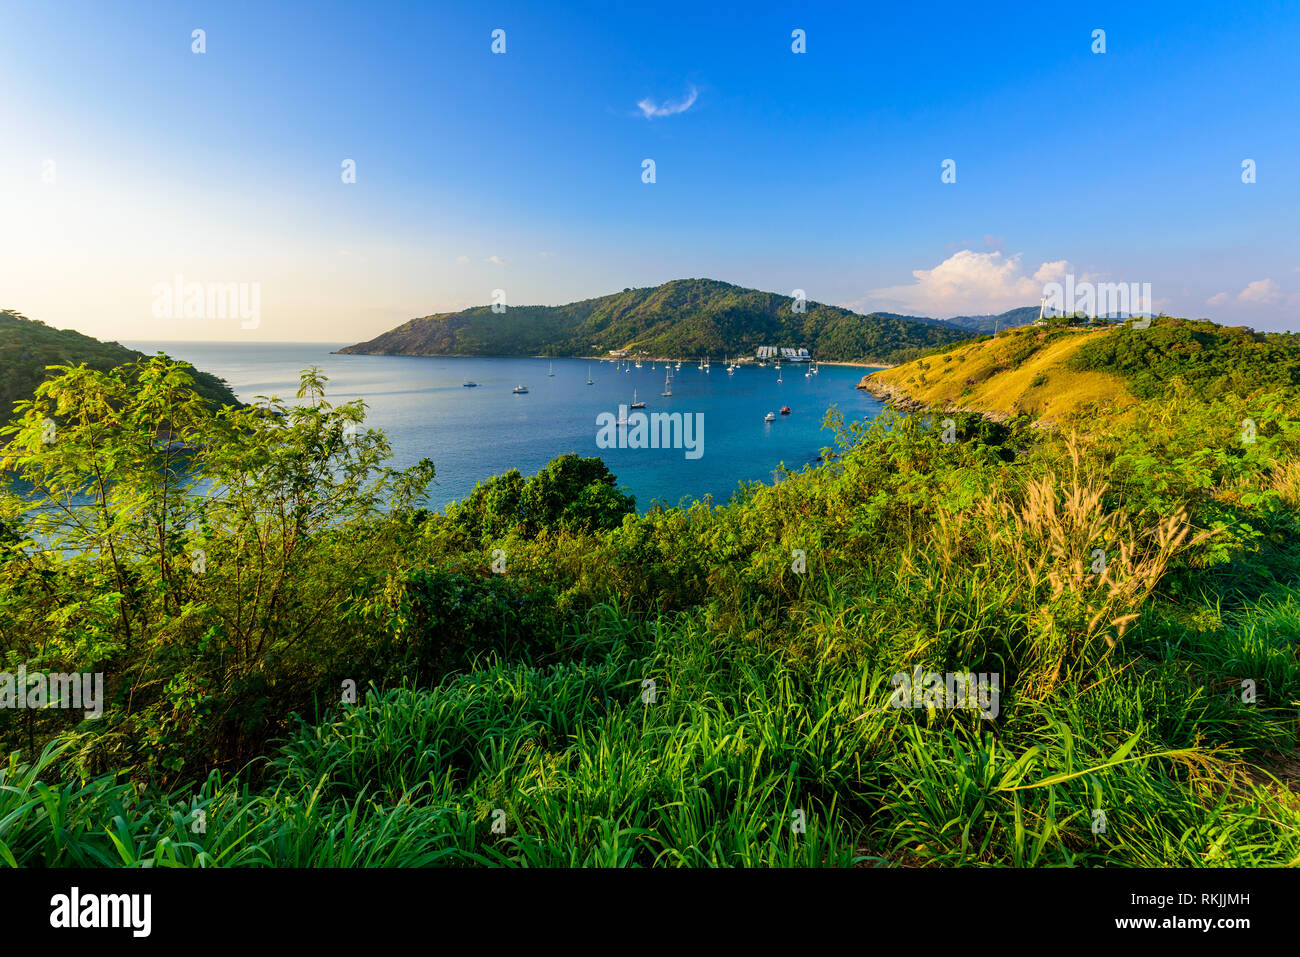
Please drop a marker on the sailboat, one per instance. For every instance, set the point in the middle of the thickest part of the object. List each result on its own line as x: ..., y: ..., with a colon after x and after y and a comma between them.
x: 550, y: 370
x: 635, y: 404
x: 588, y: 373
x: 706, y: 363
x: 668, y: 390
x: 778, y: 375
x: 679, y: 366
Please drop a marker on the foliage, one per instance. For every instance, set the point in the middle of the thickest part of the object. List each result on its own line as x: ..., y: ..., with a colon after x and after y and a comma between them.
x: 1209, y: 358
x: 28, y: 347
x: 570, y: 493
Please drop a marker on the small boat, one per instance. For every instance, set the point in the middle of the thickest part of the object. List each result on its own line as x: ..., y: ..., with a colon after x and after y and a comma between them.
x: 519, y: 389
x: 678, y: 366
x: 470, y: 385
x: 638, y: 363
x: 770, y: 417
x: 588, y: 373
x: 635, y: 404
x: 785, y: 410
x: 778, y: 378
x: 668, y: 390
x: 550, y: 370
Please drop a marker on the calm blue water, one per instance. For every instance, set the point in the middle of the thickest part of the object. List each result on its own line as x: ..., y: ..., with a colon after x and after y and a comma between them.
x: 471, y: 434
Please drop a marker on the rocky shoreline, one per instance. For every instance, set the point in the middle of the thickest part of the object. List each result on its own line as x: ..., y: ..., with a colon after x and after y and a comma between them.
x: 891, y: 395
x: 897, y: 398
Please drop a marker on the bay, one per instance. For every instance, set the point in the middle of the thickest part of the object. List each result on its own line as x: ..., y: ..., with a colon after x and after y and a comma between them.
x: 423, y: 406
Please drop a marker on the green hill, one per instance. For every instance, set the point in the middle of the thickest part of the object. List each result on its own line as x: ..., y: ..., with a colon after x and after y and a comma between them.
x: 686, y: 317
x: 1062, y: 373
x: 27, y: 346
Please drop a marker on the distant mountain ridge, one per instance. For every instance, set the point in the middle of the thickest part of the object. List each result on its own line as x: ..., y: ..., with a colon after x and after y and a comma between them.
x: 684, y: 317
x: 1020, y: 316
x: 27, y: 346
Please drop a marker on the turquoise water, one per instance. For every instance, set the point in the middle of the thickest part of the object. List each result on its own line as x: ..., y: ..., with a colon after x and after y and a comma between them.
x: 471, y: 434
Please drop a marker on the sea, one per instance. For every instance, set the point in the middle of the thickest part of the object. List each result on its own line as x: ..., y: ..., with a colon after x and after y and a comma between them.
x: 424, y: 407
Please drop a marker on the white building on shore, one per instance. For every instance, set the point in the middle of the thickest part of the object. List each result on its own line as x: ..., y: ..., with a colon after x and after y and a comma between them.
x: 782, y: 352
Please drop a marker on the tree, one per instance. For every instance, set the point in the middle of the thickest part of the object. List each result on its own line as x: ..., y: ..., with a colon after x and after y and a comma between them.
x: 188, y: 550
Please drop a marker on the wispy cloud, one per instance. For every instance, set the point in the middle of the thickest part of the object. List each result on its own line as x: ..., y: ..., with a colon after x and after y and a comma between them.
x: 495, y: 259
x: 650, y: 109
x: 1260, y: 291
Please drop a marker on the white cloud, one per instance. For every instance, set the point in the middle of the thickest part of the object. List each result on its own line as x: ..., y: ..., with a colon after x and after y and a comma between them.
x: 650, y: 109
x: 1260, y: 291
x: 1218, y: 299
x: 1052, y: 272
x: 968, y: 282
x: 462, y: 259
x: 495, y: 259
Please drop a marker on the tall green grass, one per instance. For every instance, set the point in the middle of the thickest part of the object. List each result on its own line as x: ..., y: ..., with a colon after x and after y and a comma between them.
x: 711, y: 773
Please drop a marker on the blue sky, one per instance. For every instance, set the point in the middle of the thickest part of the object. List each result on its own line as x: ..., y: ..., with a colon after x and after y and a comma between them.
x: 522, y: 171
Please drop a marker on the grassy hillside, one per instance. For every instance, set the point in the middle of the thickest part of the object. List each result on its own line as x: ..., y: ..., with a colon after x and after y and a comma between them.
x: 27, y: 346
x: 686, y: 317
x: 1063, y: 375
x: 1027, y: 371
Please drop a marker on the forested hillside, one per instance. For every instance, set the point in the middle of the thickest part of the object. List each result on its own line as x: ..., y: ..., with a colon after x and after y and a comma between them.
x: 686, y: 317
x: 27, y: 346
